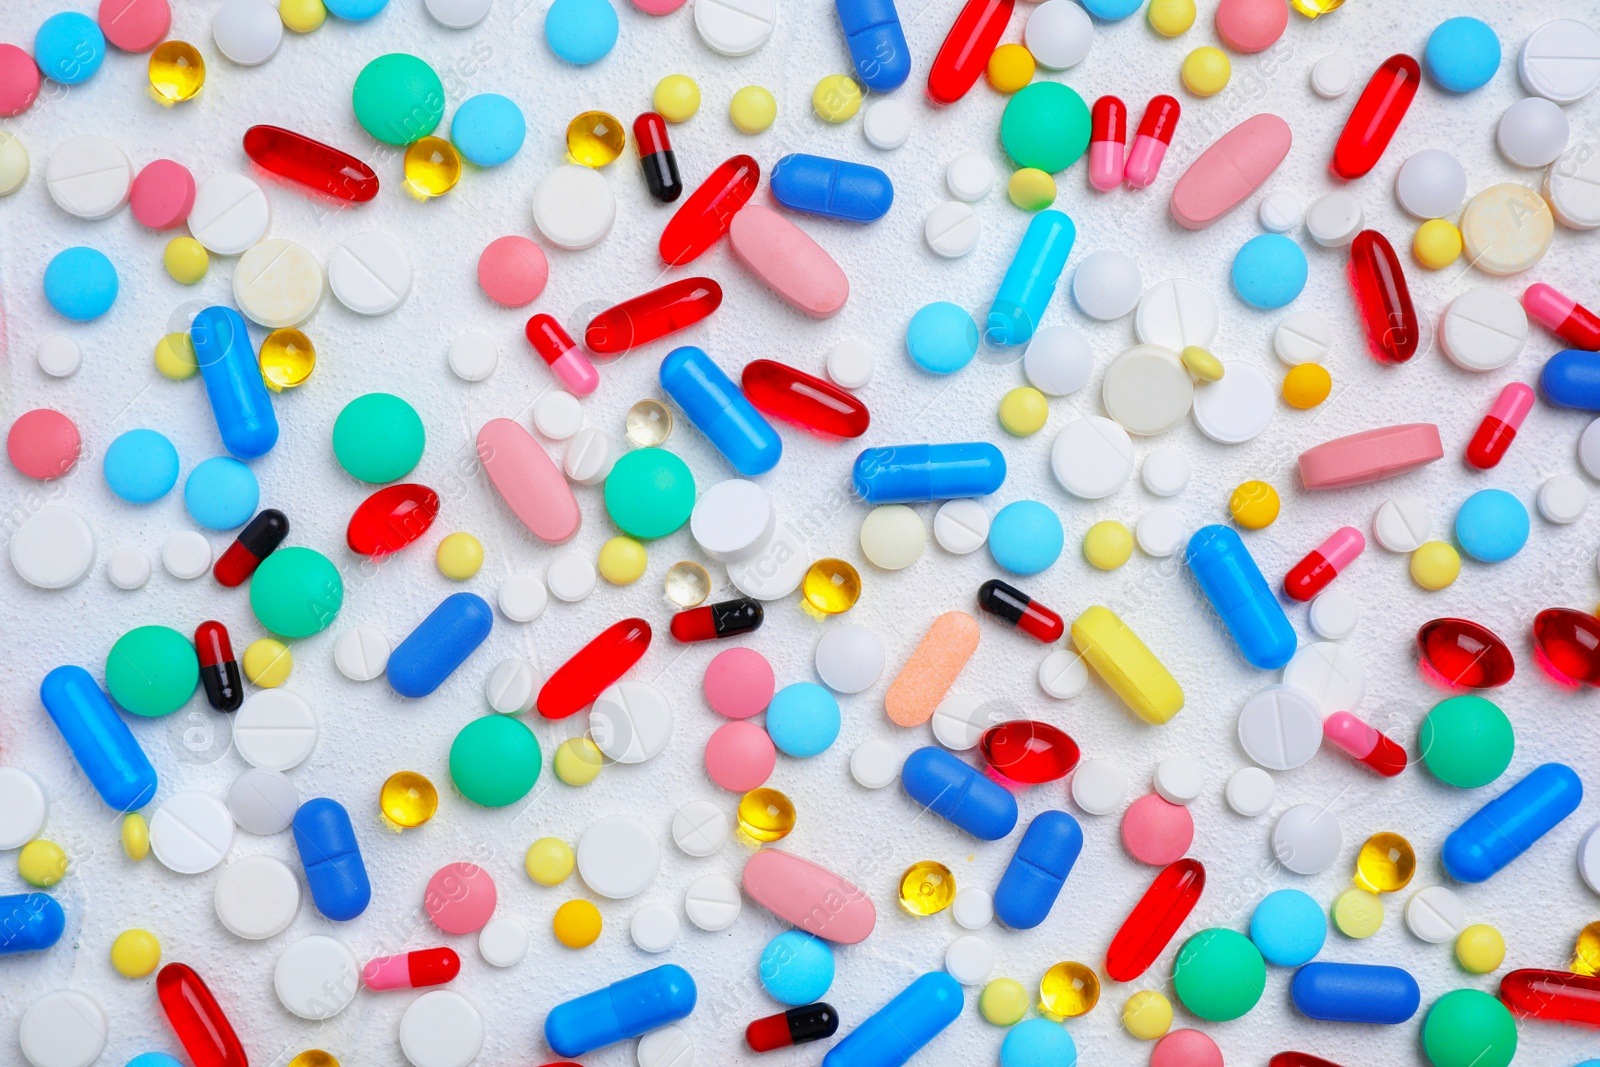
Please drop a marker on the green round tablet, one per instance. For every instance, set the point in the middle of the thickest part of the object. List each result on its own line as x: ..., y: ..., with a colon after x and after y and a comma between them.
x: 152, y: 671
x: 1045, y: 125
x: 1219, y: 974
x: 1469, y: 1028
x: 398, y: 98
x: 296, y: 592
x: 1467, y: 741
x: 494, y: 761
x: 378, y: 438
x: 649, y: 493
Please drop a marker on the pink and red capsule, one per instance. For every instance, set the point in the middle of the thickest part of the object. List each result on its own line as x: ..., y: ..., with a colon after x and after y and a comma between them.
x: 412, y: 970
x: 1322, y: 564
x: 1563, y: 316
x: 1109, y: 163
x: 1364, y: 744
x: 1499, y: 428
x: 1150, y: 143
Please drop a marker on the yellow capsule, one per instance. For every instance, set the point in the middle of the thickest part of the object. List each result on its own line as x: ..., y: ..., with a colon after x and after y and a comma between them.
x: 578, y: 761
x: 302, y: 16
x: 135, y: 836
x: 175, y: 357
x: 1435, y: 565
x: 1206, y: 71
x: 927, y: 888
x: 1068, y: 990
x: 314, y: 1057
x: 407, y: 800
x: 1312, y: 8
x: 766, y: 815
x: 753, y: 109
x: 186, y: 260
x: 1480, y: 948
x: 1254, y: 505
x: 1147, y: 1015
x: 42, y: 863
x: 836, y: 98
x: 287, y: 358
x: 1004, y: 1002
x: 1011, y: 67
x: 1108, y: 544
x: 1357, y: 913
x: 267, y: 662
x: 595, y: 139
x: 687, y: 584
x: 1307, y: 385
x: 832, y: 586
x: 1438, y: 244
x: 549, y: 861
x: 1031, y: 189
x: 676, y: 98
x: 1586, y: 953
x: 577, y: 924
x: 177, y: 71
x: 459, y: 556
x: 1386, y: 863
x: 432, y: 167
x: 1171, y: 18
x: 649, y: 423
x: 135, y: 953
x: 1202, y: 364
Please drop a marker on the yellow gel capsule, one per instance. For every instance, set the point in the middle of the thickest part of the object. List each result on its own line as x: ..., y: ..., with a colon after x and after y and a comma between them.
x: 1108, y: 544
x: 287, y: 358
x: 1312, y: 8
x: 313, y: 1057
x: 1386, y: 863
x: 1206, y: 71
x: 649, y: 423
x: 135, y: 836
x: 927, y: 888
x: 1011, y: 67
x: 578, y: 761
x: 1307, y: 385
x: 1004, y: 1002
x: 177, y: 71
x: 1435, y: 565
x: 1068, y: 990
x: 1031, y: 189
x: 175, y: 357
x: 302, y: 16
x: 1147, y: 1015
x: 135, y: 953
x: 267, y: 662
x: 836, y: 98
x: 766, y: 815
x: 1357, y: 913
x: 42, y: 863
x: 676, y: 98
x: 1438, y: 244
x: 459, y: 556
x: 753, y: 109
x: 407, y: 800
x: 549, y: 861
x: 622, y: 561
x: 432, y: 167
x: 577, y: 924
x: 1202, y: 364
x: 687, y: 584
x: 1127, y: 665
x: 1171, y: 18
x: 832, y: 586
x: 186, y: 260
x: 1586, y: 953
x: 1480, y: 948
x: 595, y: 139
x: 1254, y: 505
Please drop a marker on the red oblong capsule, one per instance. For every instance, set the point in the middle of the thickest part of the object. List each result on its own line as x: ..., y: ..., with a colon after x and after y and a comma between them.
x: 1499, y: 428
x: 260, y: 537
x: 202, y: 1028
x: 391, y: 519
x: 967, y: 48
x: 1029, y: 752
x: 1553, y: 996
x: 1151, y: 924
x: 651, y: 316
x: 1020, y: 610
x: 809, y: 1022
x: 319, y: 167
x: 1376, y: 116
x: 1150, y: 143
x: 1364, y: 744
x: 1563, y: 316
x: 1108, y: 141
x: 412, y: 970
x: 577, y: 682
x: 1322, y: 564
x: 1383, y: 298
x: 803, y: 399
x: 703, y: 218
x: 656, y: 158
x: 1300, y: 1059
x: 562, y: 355
x: 1567, y: 645
x: 711, y: 621
x: 219, y: 670
x: 1461, y: 653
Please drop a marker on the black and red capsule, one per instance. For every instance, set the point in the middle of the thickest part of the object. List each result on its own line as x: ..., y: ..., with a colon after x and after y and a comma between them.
x: 727, y: 619
x: 656, y: 157
x: 258, y: 540
x: 219, y: 671
x: 813, y: 1022
x: 1017, y: 608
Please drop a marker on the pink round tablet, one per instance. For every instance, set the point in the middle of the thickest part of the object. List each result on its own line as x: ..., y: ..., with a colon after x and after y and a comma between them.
x: 43, y: 444
x: 162, y: 194
x: 739, y: 683
x: 135, y: 25
x: 460, y: 898
x: 658, y: 7
x: 1251, y: 25
x: 1156, y: 832
x: 512, y: 271
x: 1186, y: 1048
x: 19, y: 81
x: 740, y: 756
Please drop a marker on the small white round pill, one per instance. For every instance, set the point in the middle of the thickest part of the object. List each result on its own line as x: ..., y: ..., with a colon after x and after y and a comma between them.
x: 1166, y: 471
x: 60, y: 356
x: 1563, y: 498
x: 512, y: 686
x: 1280, y: 212
x: 1402, y: 524
x: 1435, y: 914
x: 969, y: 959
x: 961, y: 526
x: 1179, y: 779
x: 700, y: 828
x: 667, y: 1047
x: 1063, y: 674
x: 973, y: 908
x: 503, y: 941
x: 873, y: 764
x: 1332, y: 76
x: 361, y: 653
x: 970, y: 176
x: 850, y: 363
x: 1303, y: 337
x: 1250, y: 791
x: 1334, y: 219
x: 557, y: 414
x: 473, y: 356
x: 523, y: 597
x: 1099, y: 786
x: 713, y: 902
x: 952, y: 229
x: 1334, y: 614
x: 654, y: 927
x: 186, y: 554
x: 128, y: 568
x: 887, y: 124
x: 571, y: 577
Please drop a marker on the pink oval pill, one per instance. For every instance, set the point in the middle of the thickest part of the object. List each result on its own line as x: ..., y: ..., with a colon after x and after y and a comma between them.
x: 658, y: 7
x: 460, y: 898
x: 512, y: 271
x: 44, y: 444
x: 19, y: 81
x: 740, y: 756
x: 162, y: 194
x: 1186, y: 1048
x: 135, y: 25
x: 791, y: 264
x: 1156, y: 832
x: 1251, y: 25
x: 739, y: 683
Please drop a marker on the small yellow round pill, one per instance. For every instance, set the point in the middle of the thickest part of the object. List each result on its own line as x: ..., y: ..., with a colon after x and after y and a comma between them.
x: 622, y: 561
x: 1148, y: 1014
x: 135, y: 836
x: 1435, y: 565
x: 267, y: 662
x: 1010, y: 68
x: 836, y: 98
x: 1437, y: 244
x: 549, y: 861
x: 459, y: 557
x: 753, y: 109
x: 175, y: 357
x: 677, y: 98
x: 1254, y: 505
x: 42, y: 863
x: 302, y: 16
x: 1170, y: 18
x: 577, y: 924
x: 1206, y: 71
x: 1031, y: 189
x: 1023, y: 411
x: 578, y: 761
x: 1357, y: 913
x: 1108, y: 544
x: 186, y: 260
x: 1202, y: 364
x: 1480, y: 948
x: 1003, y: 1001
x: 1307, y: 385
x: 135, y: 953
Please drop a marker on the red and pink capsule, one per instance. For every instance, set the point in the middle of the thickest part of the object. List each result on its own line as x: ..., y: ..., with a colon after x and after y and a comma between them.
x: 1499, y: 428
x: 1108, y: 140
x: 1150, y: 144
x: 1364, y: 744
x: 412, y: 970
x: 1322, y: 564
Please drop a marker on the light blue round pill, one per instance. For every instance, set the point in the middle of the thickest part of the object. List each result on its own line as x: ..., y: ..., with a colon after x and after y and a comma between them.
x: 581, y: 31
x: 1288, y: 928
x: 488, y: 129
x: 354, y: 10
x: 1111, y: 10
x: 69, y: 47
x: 153, y: 1059
x: 942, y: 338
x: 1462, y: 54
x: 1492, y: 525
x: 796, y: 968
x: 221, y: 493
x: 141, y: 466
x: 1269, y: 271
x: 1026, y: 537
x: 80, y: 283
x: 803, y: 719
x: 1038, y: 1043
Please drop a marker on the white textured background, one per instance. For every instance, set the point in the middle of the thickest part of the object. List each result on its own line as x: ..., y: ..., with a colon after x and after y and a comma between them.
x: 1539, y: 903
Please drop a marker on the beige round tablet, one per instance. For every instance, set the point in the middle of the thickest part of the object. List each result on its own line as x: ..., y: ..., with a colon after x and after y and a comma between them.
x: 1507, y: 229
x: 13, y: 163
x: 1146, y: 390
x: 277, y: 283
x: 893, y: 537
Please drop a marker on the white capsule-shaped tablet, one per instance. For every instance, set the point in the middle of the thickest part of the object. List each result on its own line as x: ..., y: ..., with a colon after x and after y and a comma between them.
x: 370, y: 273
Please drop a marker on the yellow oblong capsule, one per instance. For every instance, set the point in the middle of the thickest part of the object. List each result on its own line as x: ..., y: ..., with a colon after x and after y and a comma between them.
x: 1127, y: 665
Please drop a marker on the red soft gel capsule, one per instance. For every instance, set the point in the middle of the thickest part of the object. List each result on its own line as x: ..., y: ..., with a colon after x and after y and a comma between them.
x: 803, y: 399
x: 1377, y: 114
x: 391, y: 519
x: 703, y: 218
x: 651, y: 316
x: 1150, y: 926
x: 1553, y: 996
x: 1383, y: 298
x: 1029, y: 752
x: 1567, y: 643
x: 202, y: 1028
x: 319, y: 167
x: 1300, y: 1059
x: 965, y: 53
x: 1461, y: 653
x: 577, y: 682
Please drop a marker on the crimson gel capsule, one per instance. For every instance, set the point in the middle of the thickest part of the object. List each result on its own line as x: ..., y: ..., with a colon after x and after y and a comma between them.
x: 651, y: 316
x: 1377, y: 114
x: 412, y: 970
x: 1459, y: 652
x: 656, y: 158
x: 562, y: 355
x: 703, y: 218
x: 319, y: 167
x: 1322, y: 564
x: 202, y: 1028
x: 577, y: 682
x: 1563, y: 316
x: 1364, y: 744
x: 1020, y: 610
x: 1028, y: 752
x: 1568, y: 645
x: 711, y: 621
x: 1499, y: 428
x: 1150, y: 143
x: 259, y: 539
x: 1300, y: 1059
x: 391, y: 519
x: 1108, y: 141
x: 1153, y: 922
x: 967, y: 48
x: 1383, y: 298
x: 804, y: 400
x: 811, y: 1022
x: 1553, y: 996
x: 219, y: 671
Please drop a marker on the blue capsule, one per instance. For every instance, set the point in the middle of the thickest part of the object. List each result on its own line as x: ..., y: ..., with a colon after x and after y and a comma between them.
x: 621, y: 1010
x: 900, y: 1028
x: 1571, y: 379
x: 900, y: 474
x: 877, y: 43
x: 1508, y: 825
x: 1230, y: 579
x: 1038, y: 869
x: 1031, y: 279
x: 831, y: 188
x: 959, y: 792
x: 720, y: 411
x: 1355, y: 993
x: 332, y: 860
x: 100, y: 741
x: 440, y: 643
x: 30, y: 922
x: 239, y: 399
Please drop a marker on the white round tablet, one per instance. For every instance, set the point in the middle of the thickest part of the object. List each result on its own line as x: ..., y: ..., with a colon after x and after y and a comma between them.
x: 873, y: 764
x: 63, y: 1028
x: 590, y: 455
x: 1166, y: 471
x: 1280, y: 728
x: 60, y: 356
x: 1179, y: 779
x: 89, y: 176
x: 277, y: 283
x: 1059, y: 34
x: 1589, y: 858
x: 961, y: 526
x: 618, y: 857
x: 1431, y: 184
x: 654, y: 927
x: 263, y: 802
x: 631, y: 722
x: 557, y: 414
x: 735, y: 27
x: 1563, y: 498
x: 523, y: 597
x: 275, y: 729
x: 959, y: 721
x: 1332, y: 76
x: 1330, y: 674
x: 1306, y: 839
x: 667, y: 1047
x: 230, y: 214
x: 850, y: 363
x: 22, y: 807
x: 191, y: 831
x: 370, y: 273
x: 1560, y: 61
x: 362, y: 653
x: 574, y: 206
x: 571, y: 577
x: 1107, y: 284
x: 1160, y: 532
x: 503, y: 941
x: 186, y: 555
x: 700, y: 828
x: 952, y: 229
x: 1533, y: 132
x: 1483, y: 329
x: 54, y: 549
x: 1334, y: 614
x: 1571, y: 186
x: 247, y: 31
x: 1402, y: 524
x: 969, y: 176
x: 1147, y: 390
x: 1092, y: 457
x: 512, y: 686
x: 1236, y: 408
x: 1303, y: 337
x: 1435, y: 914
x: 1063, y: 674
x: 1175, y: 314
x: 441, y: 1028
x: 712, y: 902
x: 473, y: 356
x: 776, y: 569
x: 1099, y: 786
x: 973, y: 907
x: 1280, y: 212
x: 970, y: 959
x: 1589, y: 449
x: 850, y: 658
x: 458, y: 14
x: 1334, y: 219
x: 257, y: 897
x: 886, y: 124
x: 1058, y: 361
x: 128, y: 568
x: 316, y: 977
x: 732, y: 520
x: 1250, y: 791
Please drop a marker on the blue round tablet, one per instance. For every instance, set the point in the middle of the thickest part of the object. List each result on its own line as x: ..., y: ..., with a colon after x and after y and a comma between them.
x: 69, y: 47
x: 1492, y: 525
x: 803, y: 719
x: 141, y: 466
x: 221, y: 493
x: 1038, y: 1043
x: 796, y: 968
x: 80, y: 283
x: 354, y: 10
x: 488, y: 129
x: 1462, y: 54
x: 1269, y: 271
x: 1026, y: 537
x: 1288, y: 928
x: 153, y: 1059
x: 1111, y: 10
x: 942, y: 338
x: 581, y: 31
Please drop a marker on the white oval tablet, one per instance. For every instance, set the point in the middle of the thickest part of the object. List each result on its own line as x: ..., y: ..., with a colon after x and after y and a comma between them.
x: 1483, y: 329
x: 230, y: 214
x: 277, y: 283
x: 631, y: 722
x: 667, y: 1047
x: 54, y: 549
x: 1058, y: 361
x: 22, y: 807
x: 776, y: 569
x: 63, y: 1028
x: 275, y: 729
x: 1334, y: 219
x: 1092, y: 457
x: 316, y: 977
x: 128, y: 568
x: 618, y: 857
x: 735, y: 27
x: 1431, y: 184
x: 574, y: 207
x: 1402, y: 524
x: 523, y: 597
x: 1563, y: 498
x: 191, y: 831
x: 1160, y: 532
x: 886, y: 124
x: 970, y: 959
x: 1175, y: 314
x: 1560, y: 61
x: 732, y: 520
x: 1435, y: 914
x: 1147, y: 390
x: 503, y: 941
x: 959, y: 721
x: 1280, y: 728
x: 961, y: 526
x: 1334, y: 614
x: 458, y: 14
x: 1166, y: 471
x: 571, y: 577
x: 873, y: 764
x: 1280, y: 212
x: 1063, y: 674
x: 370, y: 273
x: 952, y: 229
x: 263, y: 802
x: 1236, y: 408
x: 1107, y: 284
x: 1306, y: 839
x: 973, y: 907
x: 1332, y: 76
x: 1572, y: 188
x: 700, y: 829
x: 186, y: 555
x: 850, y: 658
x: 1533, y: 132
x: 1179, y: 779
x: 1250, y: 791
x: 362, y: 653
x: 441, y: 1028
x: 713, y: 902
x: 247, y: 31
x: 1330, y: 674
x: 654, y: 928
x: 969, y: 176
x: 473, y: 356
x: 89, y: 176
x: 557, y: 415
x: 1058, y: 34
x: 1099, y: 786
x: 1303, y: 337
x: 1589, y: 858
x: 512, y: 686
x: 60, y: 356
x: 850, y: 363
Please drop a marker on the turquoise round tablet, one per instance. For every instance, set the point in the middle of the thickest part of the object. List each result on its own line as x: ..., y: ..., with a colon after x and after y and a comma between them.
x: 1219, y: 974
x: 141, y: 466
x: 1045, y: 125
x: 1462, y: 54
x: 378, y: 438
x: 1469, y: 1028
x: 1466, y: 741
x: 1269, y: 271
x: 581, y: 31
x: 80, y: 283
x: 1288, y: 928
x: 796, y: 968
x: 296, y: 592
x: 1111, y: 10
x: 153, y: 1059
x: 1026, y: 537
x: 488, y: 129
x: 649, y: 493
x: 354, y: 10
x: 398, y: 98
x: 69, y: 47
x: 495, y: 760
x: 942, y: 338
x: 221, y: 493
x: 1038, y: 1043
x: 803, y: 719
x: 152, y: 670
x: 1492, y: 525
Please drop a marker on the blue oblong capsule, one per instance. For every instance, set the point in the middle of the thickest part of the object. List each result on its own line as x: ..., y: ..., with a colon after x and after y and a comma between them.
x: 959, y: 792
x: 1031, y: 279
x: 831, y: 188
x: 440, y: 643
x: 621, y: 1010
x: 100, y: 741
x: 331, y: 856
x: 30, y: 922
x: 1571, y: 379
x: 899, y: 1029
x: 1508, y: 825
x: 1355, y: 993
x: 720, y: 411
x: 877, y: 43
x: 899, y: 474
x: 1230, y: 579
x: 1038, y: 869
x: 239, y: 399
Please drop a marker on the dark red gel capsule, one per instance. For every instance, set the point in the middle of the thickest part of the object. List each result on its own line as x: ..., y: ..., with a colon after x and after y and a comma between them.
x: 803, y: 399
x: 319, y: 167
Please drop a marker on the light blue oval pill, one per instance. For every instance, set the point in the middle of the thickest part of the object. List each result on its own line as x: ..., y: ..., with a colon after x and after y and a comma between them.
x: 1463, y: 54
x: 488, y: 129
x: 141, y: 466
x: 221, y: 493
x: 581, y: 31
x: 1026, y: 537
x: 942, y: 338
x: 80, y: 283
x: 153, y: 1059
x: 69, y: 47
x: 1269, y: 271
x: 1111, y: 10
x: 1288, y: 928
x: 354, y: 10
x: 1492, y: 525
x: 1038, y: 1043
x: 803, y: 719
x: 796, y: 968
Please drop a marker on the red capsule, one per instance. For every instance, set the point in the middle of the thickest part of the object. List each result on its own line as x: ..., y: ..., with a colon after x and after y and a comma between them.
x: 391, y: 519
x: 202, y: 1028
x: 1553, y: 996
x: 412, y: 970
x: 1108, y: 142
x: 810, y: 1022
x: 593, y: 668
x: 967, y: 48
x: 1499, y: 428
x: 316, y: 166
x: 1150, y: 926
x: 1563, y: 316
x: 711, y: 621
x: 562, y: 355
x: 1463, y: 654
x: 1322, y: 564
x: 709, y: 211
x: 1150, y: 143
x: 651, y: 316
x: 259, y: 539
x: 1029, y: 752
x: 1300, y: 1059
x: 1383, y: 298
x: 803, y: 399
x: 1376, y: 116
x: 1364, y: 744
x: 1567, y: 645
x: 1016, y: 607
x: 656, y: 158
x: 219, y: 671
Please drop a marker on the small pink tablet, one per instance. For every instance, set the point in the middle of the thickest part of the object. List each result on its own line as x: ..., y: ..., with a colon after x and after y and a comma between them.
x: 1186, y: 1048
x: 1156, y: 832
x: 930, y: 672
x: 658, y: 7
x: 1370, y: 456
x: 739, y: 683
x: 791, y: 264
x: 1251, y: 25
x: 512, y: 271
x: 810, y: 897
x: 529, y: 481
x: 44, y: 444
x: 1229, y: 171
x: 740, y: 756
x: 19, y: 81
x: 460, y: 898
x: 135, y: 25
x: 162, y: 194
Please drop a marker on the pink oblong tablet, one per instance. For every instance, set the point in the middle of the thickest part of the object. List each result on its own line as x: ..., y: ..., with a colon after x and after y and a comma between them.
x: 740, y: 756
x: 19, y: 81
x: 932, y: 669
x: 44, y: 444
x: 512, y: 271
x: 791, y: 264
x: 810, y: 897
x: 658, y: 7
x: 739, y: 683
x: 528, y: 481
x: 1229, y: 171
x: 1370, y: 456
x: 1186, y: 1048
x: 1251, y: 25
x: 162, y: 194
x: 135, y: 25
x: 460, y: 898
x: 1157, y: 832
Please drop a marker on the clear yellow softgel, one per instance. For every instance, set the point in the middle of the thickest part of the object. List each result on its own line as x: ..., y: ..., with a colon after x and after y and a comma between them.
x: 407, y: 800
x: 687, y: 584
x: 649, y: 423
x: 1068, y: 990
x: 287, y: 359
x: 432, y: 166
x: 1586, y: 953
x: 766, y: 815
x: 314, y: 1057
x: 832, y: 586
x: 177, y: 71
x: 1386, y: 863
x: 927, y: 888
x: 595, y: 139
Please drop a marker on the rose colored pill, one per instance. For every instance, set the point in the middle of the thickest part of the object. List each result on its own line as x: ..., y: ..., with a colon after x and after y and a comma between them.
x: 740, y: 756
x: 19, y: 81
x: 460, y: 898
x: 1157, y: 832
x: 739, y: 683
x: 512, y: 271
x: 1186, y: 1048
x: 1251, y: 25
x: 135, y: 25
x: 162, y: 194
x: 44, y: 444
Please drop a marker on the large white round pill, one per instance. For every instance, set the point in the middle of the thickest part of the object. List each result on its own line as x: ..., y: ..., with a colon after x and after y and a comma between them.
x: 1402, y: 524
x: 1237, y: 407
x: 1280, y: 728
x: 961, y: 526
x: 1058, y: 361
x: 370, y: 273
x: 191, y: 831
x: 1179, y: 779
x: 1280, y: 212
x: 22, y: 807
x: 654, y: 927
x: 893, y: 537
x: 441, y: 1028
x: 186, y: 555
x: 667, y: 1047
x: 63, y: 1028
x: 735, y: 27
x: 1334, y: 219
x: 631, y: 722
x: 128, y: 568
x: 850, y: 658
x: 1431, y: 184
x: 700, y: 829
x: 1063, y: 674
x: 275, y: 729
x: 230, y: 214
x: 1303, y: 337
x: 512, y: 686
x: 503, y: 941
x: 618, y: 857
x: 247, y: 31
x: 1533, y: 132
x: 1059, y: 34
x: 54, y: 549
x: 1306, y: 839
x: 886, y: 124
x: 1560, y: 61
x: 1161, y: 532
x: 1483, y: 329
x: 970, y: 959
x: 1332, y: 76
x: 571, y: 577
x: 362, y: 653
x: 776, y: 569
x: 973, y: 908
x: 1563, y: 498
x: 713, y: 902
x: 732, y: 520
x: 873, y: 764
x: 60, y: 356
x: 89, y: 176
x: 263, y: 802
x: 969, y: 176
x: 1334, y: 614
x: 1572, y: 187
x: 1166, y: 471
x: 1435, y: 914
x: 1099, y: 786
x: 590, y: 455
x: 1147, y: 390
x: 316, y: 977
x: 959, y: 721
x: 523, y: 597
x: 952, y: 229
x: 1175, y: 314
x: 1107, y: 284
x: 1092, y: 457
x: 574, y: 206
x: 277, y: 283
x: 1250, y: 791
x: 1330, y: 674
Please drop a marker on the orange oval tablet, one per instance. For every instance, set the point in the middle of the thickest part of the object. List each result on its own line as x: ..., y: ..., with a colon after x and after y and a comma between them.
x: 932, y: 669
x: 791, y: 264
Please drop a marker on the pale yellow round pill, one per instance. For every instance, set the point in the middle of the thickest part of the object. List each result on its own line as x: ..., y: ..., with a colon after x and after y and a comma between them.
x: 42, y: 863
x: 836, y: 98
x: 622, y: 561
x: 135, y: 953
x: 549, y: 861
x: 753, y: 109
x: 1108, y: 544
x: 677, y: 98
x: 1480, y: 948
x: 1147, y: 1015
x: 135, y: 836
x: 1435, y: 565
x: 1357, y: 913
x: 186, y: 260
x: 459, y: 557
x: 1024, y: 411
x: 1206, y: 71
x: 1011, y: 67
x: 578, y: 761
x: 1170, y: 18
x: 302, y: 16
x: 1202, y: 364
x: 893, y: 537
x: 1003, y: 1002
x: 267, y: 663
x: 175, y: 357
x: 1437, y: 244
x: 1031, y: 189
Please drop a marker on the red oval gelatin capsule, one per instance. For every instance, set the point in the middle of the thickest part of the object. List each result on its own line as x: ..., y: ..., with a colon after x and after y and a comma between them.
x: 807, y: 401
x: 1554, y: 996
x: 1029, y: 752
x: 1376, y: 116
x: 709, y: 211
x: 651, y: 316
x: 316, y: 166
x: 967, y: 48
x: 1300, y: 1059
x: 201, y: 1026
x: 1151, y: 924
x: 577, y: 682
x: 391, y: 519
x: 1567, y: 644
x: 1461, y: 653
x: 1383, y: 298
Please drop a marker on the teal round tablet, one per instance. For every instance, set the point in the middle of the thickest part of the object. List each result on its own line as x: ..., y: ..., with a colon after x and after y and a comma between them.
x: 495, y: 760
x: 649, y: 493
x: 152, y: 670
x: 378, y: 438
x: 942, y: 338
x: 1045, y: 125
x: 1219, y: 975
x: 1467, y: 741
x: 296, y: 592
x: 398, y: 98
x: 1469, y: 1028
